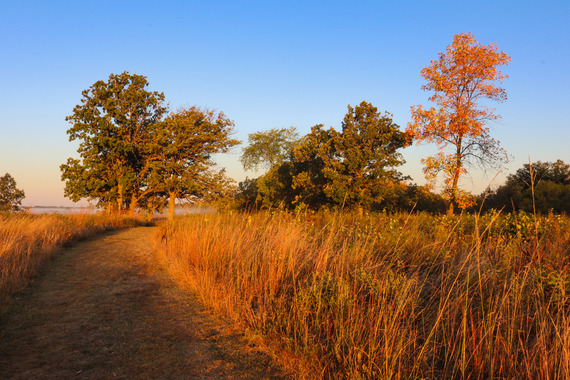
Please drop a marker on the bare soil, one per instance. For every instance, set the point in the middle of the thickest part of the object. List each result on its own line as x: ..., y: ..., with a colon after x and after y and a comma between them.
x: 104, y: 309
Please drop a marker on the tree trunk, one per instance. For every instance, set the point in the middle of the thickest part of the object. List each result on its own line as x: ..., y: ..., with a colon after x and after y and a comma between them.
x: 150, y: 214
x: 450, y: 210
x: 171, y: 206
x: 133, y: 206
x: 120, y: 201
x: 453, y: 195
x: 455, y: 181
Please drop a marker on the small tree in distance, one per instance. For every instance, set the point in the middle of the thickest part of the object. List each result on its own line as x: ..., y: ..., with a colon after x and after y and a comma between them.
x: 462, y: 76
x: 268, y: 148
x: 10, y: 196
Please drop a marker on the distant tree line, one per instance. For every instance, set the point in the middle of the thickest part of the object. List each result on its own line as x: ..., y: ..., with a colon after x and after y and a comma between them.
x: 355, y: 167
x: 136, y: 154
x: 540, y: 187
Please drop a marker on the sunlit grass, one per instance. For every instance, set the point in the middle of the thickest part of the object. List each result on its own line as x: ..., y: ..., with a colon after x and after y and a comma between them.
x: 27, y: 241
x: 387, y: 296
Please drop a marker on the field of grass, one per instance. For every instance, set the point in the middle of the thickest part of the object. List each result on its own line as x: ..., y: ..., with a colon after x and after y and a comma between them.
x: 27, y: 241
x: 387, y: 296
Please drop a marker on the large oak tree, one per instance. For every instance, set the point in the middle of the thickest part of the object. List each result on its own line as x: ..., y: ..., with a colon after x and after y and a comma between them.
x: 134, y: 154
x: 461, y: 79
x: 354, y: 167
x: 112, y: 124
x: 365, y: 157
x: 180, y: 157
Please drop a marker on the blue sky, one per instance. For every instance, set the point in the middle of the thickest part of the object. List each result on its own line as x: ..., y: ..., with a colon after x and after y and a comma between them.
x: 272, y: 64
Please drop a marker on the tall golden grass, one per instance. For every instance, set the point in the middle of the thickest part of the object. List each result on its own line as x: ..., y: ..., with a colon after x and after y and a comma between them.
x: 387, y: 296
x: 27, y: 241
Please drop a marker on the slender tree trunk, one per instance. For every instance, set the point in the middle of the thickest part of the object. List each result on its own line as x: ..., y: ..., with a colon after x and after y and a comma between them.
x: 453, y: 195
x: 450, y: 210
x: 171, y: 206
x: 455, y: 180
x: 120, y: 200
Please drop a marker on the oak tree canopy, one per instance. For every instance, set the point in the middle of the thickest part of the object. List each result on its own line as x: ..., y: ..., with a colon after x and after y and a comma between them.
x: 353, y: 167
x: 134, y: 154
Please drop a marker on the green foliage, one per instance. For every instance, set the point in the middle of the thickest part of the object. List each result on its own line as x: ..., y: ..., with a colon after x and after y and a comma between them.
x: 10, y: 196
x: 180, y: 156
x: 364, y: 156
x: 544, y: 189
x: 557, y: 172
x: 245, y: 197
x: 268, y: 149
x: 351, y: 168
x: 112, y: 124
x: 309, y: 161
x: 277, y: 189
x: 132, y: 156
x: 408, y: 197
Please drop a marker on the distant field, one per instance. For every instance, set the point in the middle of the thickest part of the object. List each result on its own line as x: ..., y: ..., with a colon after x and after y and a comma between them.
x: 60, y: 210
x: 387, y: 296
x: 180, y: 210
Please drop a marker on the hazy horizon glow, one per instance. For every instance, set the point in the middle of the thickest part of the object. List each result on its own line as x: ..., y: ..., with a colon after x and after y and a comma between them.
x: 271, y: 65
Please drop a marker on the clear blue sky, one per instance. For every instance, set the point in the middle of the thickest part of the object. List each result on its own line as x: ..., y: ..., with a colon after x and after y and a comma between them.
x: 271, y: 64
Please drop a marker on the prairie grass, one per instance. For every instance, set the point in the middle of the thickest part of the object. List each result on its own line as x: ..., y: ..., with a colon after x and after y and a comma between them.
x: 387, y: 296
x: 27, y: 241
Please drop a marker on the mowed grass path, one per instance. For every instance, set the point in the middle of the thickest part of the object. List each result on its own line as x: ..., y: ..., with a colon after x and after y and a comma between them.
x: 105, y: 309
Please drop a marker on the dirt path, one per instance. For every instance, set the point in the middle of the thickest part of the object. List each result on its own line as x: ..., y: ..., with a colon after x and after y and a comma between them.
x: 104, y: 310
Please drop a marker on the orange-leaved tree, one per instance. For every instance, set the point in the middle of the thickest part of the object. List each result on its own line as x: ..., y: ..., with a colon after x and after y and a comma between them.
x: 461, y: 78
